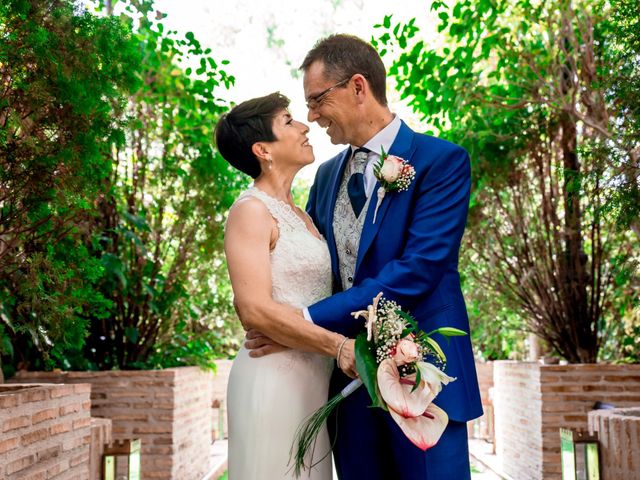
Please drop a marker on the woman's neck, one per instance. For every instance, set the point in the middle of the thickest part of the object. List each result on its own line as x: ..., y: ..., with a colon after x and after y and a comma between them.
x: 276, y: 185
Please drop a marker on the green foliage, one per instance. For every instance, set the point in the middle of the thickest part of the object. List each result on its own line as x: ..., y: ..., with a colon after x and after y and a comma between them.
x: 532, y: 90
x: 622, y: 337
x: 367, y: 368
x: 300, y: 191
x: 497, y: 331
x: 185, y: 347
x: 113, y: 196
x: 620, y: 33
x: 64, y: 72
x: 162, y: 223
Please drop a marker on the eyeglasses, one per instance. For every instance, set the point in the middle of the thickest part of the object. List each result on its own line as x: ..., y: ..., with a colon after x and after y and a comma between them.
x: 315, y: 101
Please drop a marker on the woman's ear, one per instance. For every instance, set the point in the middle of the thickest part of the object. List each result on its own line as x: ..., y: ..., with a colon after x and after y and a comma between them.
x: 261, y: 151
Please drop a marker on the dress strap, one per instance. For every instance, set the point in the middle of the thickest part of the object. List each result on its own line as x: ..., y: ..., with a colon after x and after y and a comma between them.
x: 282, y: 212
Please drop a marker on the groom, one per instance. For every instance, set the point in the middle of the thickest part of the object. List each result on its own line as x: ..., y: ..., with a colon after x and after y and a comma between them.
x: 410, y: 253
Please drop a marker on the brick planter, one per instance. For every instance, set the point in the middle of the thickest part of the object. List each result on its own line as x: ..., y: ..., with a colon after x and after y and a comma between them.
x: 220, y: 382
x: 100, y: 437
x: 532, y: 401
x: 169, y: 410
x: 619, y: 436
x: 483, y: 427
x: 45, y: 432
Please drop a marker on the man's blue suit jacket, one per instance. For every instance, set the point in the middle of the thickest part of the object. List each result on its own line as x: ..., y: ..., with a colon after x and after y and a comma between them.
x: 410, y: 254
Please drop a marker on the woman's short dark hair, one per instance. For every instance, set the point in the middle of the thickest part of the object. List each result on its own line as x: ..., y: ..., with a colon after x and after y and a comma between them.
x: 245, y: 124
x: 345, y: 55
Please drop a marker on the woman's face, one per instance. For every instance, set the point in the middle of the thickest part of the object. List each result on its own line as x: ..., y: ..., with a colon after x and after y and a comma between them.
x: 291, y: 146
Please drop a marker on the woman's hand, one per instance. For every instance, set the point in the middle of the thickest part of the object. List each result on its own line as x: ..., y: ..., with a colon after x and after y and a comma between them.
x: 347, y: 359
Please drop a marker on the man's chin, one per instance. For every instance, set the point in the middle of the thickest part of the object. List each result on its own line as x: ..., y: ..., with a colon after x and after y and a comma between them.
x: 333, y: 136
x: 337, y: 141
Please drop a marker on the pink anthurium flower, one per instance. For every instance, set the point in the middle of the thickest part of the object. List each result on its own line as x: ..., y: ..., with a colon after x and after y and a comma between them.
x: 397, y: 392
x: 424, y: 430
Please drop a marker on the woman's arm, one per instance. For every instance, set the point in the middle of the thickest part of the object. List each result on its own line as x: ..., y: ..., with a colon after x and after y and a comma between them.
x: 249, y: 234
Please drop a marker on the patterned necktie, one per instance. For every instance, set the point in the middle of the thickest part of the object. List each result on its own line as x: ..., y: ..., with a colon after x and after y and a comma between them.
x: 355, y: 187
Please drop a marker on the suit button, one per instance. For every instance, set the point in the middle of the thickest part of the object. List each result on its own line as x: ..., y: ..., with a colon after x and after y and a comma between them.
x: 348, y: 251
x: 350, y: 279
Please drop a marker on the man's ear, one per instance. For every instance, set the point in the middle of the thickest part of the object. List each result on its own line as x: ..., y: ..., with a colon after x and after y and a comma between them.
x: 361, y: 87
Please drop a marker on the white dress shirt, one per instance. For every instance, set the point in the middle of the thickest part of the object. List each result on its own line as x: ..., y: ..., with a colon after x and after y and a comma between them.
x: 383, y: 139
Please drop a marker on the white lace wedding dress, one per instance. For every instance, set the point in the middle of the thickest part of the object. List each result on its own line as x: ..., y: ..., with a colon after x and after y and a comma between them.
x: 269, y: 397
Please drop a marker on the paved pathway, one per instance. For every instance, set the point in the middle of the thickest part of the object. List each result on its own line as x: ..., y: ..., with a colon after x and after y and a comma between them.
x: 482, y: 461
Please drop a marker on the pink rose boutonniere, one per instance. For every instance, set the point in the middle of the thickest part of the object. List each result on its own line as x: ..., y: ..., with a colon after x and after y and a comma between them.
x: 393, y: 173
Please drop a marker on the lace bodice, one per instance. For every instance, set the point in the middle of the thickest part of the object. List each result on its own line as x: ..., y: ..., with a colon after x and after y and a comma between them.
x: 300, y: 262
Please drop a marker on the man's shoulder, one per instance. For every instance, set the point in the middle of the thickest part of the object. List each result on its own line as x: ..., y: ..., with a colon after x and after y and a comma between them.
x: 427, y: 142
x: 430, y: 152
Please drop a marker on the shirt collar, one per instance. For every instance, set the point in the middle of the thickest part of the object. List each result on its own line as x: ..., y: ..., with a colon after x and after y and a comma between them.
x: 384, y: 138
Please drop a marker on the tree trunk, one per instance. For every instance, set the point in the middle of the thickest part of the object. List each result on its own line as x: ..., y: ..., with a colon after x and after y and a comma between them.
x: 573, y: 266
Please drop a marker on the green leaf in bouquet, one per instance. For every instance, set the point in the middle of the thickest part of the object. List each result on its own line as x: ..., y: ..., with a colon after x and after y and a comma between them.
x: 418, y: 380
x: 409, y: 319
x: 405, y: 332
x: 448, y: 332
x: 436, y: 348
x: 368, y: 370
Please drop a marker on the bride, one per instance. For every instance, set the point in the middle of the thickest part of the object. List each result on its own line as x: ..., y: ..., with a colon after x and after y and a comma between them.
x: 277, y: 262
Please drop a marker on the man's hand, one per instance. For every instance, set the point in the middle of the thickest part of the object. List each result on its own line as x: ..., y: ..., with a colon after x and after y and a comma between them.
x: 261, y: 345
x: 347, y: 360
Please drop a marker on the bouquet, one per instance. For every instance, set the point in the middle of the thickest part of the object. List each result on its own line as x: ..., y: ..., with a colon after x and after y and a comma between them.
x: 401, y: 367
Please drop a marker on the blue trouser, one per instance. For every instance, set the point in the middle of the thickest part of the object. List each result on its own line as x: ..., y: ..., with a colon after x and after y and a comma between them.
x: 371, y: 446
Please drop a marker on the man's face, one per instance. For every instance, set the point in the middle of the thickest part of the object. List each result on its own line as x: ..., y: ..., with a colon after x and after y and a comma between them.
x: 331, y: 102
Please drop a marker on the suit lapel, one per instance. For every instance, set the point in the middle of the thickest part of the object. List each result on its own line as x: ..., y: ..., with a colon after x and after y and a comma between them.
x: 402, y: 147
x: 334, y: 183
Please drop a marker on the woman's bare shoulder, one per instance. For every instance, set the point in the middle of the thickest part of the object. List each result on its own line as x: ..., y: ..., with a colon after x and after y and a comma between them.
x: 249, y: 213
x: 248, y: 207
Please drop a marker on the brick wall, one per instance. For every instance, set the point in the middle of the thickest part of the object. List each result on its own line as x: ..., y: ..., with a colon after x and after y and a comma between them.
x: 220, y: 381
x: 517, y: 403
x: 533, y: 401
x: 100, y: 436
x: 44, y: 432
x: 619, y: 436
x: 483, y: 427
x: 169, y: 410
x: 485, y: 380
x: 193, y: 423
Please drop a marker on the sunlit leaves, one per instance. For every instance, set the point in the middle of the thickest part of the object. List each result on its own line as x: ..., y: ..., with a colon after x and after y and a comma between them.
x: 496, y: 87
x: 106, y: 150
x: 66, y: 75
x: 171, y: 190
